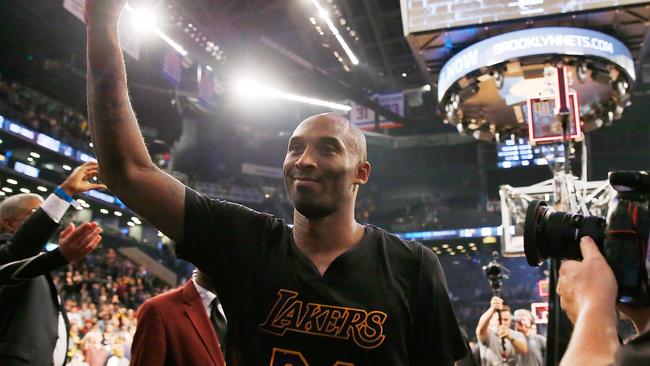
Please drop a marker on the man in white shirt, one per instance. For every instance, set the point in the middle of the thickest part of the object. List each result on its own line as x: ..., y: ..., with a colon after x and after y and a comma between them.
x: 33, y: 326
x: 499, y: 344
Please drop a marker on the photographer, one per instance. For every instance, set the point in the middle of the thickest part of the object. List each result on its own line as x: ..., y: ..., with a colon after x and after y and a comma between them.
x: 588, y: 292
x: 499, y: 344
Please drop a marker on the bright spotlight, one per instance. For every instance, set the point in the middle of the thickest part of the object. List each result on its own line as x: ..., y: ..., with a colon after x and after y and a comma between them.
x: 144, y: 19
x: 247, y: 89
x: 325, y: 16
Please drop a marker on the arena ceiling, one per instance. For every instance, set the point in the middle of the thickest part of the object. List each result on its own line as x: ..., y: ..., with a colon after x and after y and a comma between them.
x: 278, y: 37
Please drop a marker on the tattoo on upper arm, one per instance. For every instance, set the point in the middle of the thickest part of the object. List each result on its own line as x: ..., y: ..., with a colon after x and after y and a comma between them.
x: 172, y: 185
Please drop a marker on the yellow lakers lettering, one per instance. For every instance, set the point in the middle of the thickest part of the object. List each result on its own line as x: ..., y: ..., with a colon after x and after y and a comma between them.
x: 289, y: 313
x: 285, y: 357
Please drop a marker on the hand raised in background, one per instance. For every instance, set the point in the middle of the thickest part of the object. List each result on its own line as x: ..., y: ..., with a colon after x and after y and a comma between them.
x: 80, y: 180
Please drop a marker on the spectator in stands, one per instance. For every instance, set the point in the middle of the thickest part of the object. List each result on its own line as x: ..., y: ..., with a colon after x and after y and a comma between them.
x: 38, y: 112
x: 32, y: 318
x: 117, y: 355
x: 108, y: 319
x: 499, y: 344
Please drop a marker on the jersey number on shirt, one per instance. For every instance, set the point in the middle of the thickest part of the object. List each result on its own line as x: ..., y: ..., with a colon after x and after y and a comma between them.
x: 285, y: 357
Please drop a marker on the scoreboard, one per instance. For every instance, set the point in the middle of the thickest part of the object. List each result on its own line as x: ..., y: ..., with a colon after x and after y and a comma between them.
x: 518, y: 152
x: 431, y: 15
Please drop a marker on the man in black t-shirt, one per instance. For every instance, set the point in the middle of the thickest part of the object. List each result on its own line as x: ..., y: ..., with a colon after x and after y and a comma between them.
x: 328, y: 291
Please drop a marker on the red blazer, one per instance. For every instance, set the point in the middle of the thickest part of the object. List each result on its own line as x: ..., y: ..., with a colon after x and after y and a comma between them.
x: 174, y: 329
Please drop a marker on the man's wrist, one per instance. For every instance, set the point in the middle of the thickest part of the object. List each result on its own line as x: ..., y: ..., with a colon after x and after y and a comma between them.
x: 68, y: 189
x: 65, y: 192
x: 605, y: 312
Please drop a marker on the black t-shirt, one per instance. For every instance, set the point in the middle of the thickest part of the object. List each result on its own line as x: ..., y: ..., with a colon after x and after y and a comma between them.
x: 382, y: 303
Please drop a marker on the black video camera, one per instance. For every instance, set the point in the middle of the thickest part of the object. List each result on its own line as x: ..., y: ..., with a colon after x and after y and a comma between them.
x: 622, y: 237
x: 496, y: 273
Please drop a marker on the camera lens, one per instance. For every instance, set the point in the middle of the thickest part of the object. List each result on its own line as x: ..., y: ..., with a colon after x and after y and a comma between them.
x: 556, y: 234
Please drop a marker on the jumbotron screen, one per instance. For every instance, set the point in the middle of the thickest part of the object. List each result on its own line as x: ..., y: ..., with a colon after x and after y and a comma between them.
x: 431, y: 15
x: 519, y: 153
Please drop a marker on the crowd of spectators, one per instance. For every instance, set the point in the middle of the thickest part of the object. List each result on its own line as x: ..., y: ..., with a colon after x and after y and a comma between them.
x: 101, y: 294
x: 43, y: 114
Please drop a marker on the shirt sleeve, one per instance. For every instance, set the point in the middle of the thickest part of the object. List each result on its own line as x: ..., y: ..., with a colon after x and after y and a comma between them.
x: 55, y: 207
x: 14, y: 273
x: 219, y: 235
x: 29, y: 239
x: 520, y: 336
x: 438, y: 340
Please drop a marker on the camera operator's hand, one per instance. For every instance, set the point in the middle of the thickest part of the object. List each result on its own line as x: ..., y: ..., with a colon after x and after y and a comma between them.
x: 99, y: 13
x: 589, y: 284
x: 80, y: 180
x: 504, y: 332
x: 587, y: 292
x: 75, y: 243
x: 496, y: 303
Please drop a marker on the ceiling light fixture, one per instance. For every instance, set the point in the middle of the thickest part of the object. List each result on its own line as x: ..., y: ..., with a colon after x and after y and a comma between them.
x: 325, y: 16
x: 247, y: 88
x: 149, y: 22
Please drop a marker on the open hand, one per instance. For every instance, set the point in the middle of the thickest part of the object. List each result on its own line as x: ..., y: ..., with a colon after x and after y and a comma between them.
x: 75, y: 243
x: 80, y: 179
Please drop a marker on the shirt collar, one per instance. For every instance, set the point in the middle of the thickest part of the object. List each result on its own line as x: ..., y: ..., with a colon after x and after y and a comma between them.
x: 206, y: 295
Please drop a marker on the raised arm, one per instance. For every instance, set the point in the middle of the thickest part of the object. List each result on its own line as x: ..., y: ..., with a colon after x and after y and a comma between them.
x: 125, y: 165
x: 484, y: 321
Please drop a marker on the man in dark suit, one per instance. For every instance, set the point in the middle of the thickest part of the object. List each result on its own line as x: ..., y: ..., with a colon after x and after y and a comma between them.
x: 33, y: 329
x: 181, y: 327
